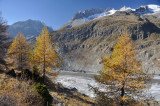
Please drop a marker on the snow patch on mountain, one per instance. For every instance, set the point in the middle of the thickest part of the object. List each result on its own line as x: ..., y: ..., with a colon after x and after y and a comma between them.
x: 126, y: 9
x: 105, y: 13
x: 149, y: 9
x: 88, y: 15
x: 154, y: 8
x: 96, y: 16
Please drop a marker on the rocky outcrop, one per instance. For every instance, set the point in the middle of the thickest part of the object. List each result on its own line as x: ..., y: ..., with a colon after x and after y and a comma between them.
x: 82, y: 17
x: 142, y: 9
x: 83, y: 46
x: 87, y: 13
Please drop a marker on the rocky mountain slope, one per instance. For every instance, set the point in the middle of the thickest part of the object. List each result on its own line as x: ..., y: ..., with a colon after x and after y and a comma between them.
x: 83, y: 46
x: 88, y: 15
x: 30, y: 28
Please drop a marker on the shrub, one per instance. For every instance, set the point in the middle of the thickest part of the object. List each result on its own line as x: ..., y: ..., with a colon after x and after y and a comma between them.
x: 28, y: 74
x: 17, y: 93
x: 43, y: 91
x: 35, y: 74
x: 11, y: 73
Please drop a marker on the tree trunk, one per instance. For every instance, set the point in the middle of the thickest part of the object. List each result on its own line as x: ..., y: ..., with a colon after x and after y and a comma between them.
x: 44, y: 61
x: 44, y: 74
x: 122, y: 95
x: 44, y: 68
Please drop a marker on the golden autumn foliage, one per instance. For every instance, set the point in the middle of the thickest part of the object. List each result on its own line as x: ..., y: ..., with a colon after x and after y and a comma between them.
x: 17, y: 93
x: 18, y: 52
x: 122, y: 74
x: 44, y: 54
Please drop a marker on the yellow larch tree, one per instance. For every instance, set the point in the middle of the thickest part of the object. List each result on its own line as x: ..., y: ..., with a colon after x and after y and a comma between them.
x: 18, y: 52
x: 123, y: 74
x: 44, y: 54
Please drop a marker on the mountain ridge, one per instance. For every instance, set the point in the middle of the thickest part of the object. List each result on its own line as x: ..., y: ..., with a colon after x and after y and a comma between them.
x: 30, y: 28
x: 85, y: 16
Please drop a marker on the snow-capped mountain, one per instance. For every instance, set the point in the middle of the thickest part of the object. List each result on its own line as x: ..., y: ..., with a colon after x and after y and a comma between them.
x: 147, y: 10
x: 88, y: 15
x: 154, y: 8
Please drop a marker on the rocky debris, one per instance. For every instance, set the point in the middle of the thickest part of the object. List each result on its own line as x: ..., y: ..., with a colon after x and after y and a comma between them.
x: 151, y: 103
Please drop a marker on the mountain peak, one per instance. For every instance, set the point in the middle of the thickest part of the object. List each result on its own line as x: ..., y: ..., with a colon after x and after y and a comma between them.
x: 142, y: 10
x: 30, y: 20
x: 123, y: 8
x: 87, y: 13
x: 27, y: 27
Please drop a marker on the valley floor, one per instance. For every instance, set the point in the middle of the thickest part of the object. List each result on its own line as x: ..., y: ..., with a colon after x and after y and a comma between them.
x: 80, y: 81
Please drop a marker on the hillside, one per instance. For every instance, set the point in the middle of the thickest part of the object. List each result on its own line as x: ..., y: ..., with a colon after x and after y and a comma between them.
x: 12, y: 88
x: 83, y: 46
x: 26, y: 94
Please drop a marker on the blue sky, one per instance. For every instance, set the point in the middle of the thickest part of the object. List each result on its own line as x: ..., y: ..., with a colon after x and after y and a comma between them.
x: 57, y: 12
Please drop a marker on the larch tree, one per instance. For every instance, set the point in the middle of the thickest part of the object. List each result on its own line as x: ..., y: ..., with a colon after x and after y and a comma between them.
x: 44, y: 54
x: 18, y: 53
x: 4, y: 41
x: 122, y: 75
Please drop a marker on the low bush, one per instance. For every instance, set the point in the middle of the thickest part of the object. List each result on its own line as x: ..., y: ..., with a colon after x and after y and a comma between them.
x: 17, y: 93
x: 11, y: 73
x: 44, y: 93
x: 27, y: 74
x: 35, y: 75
